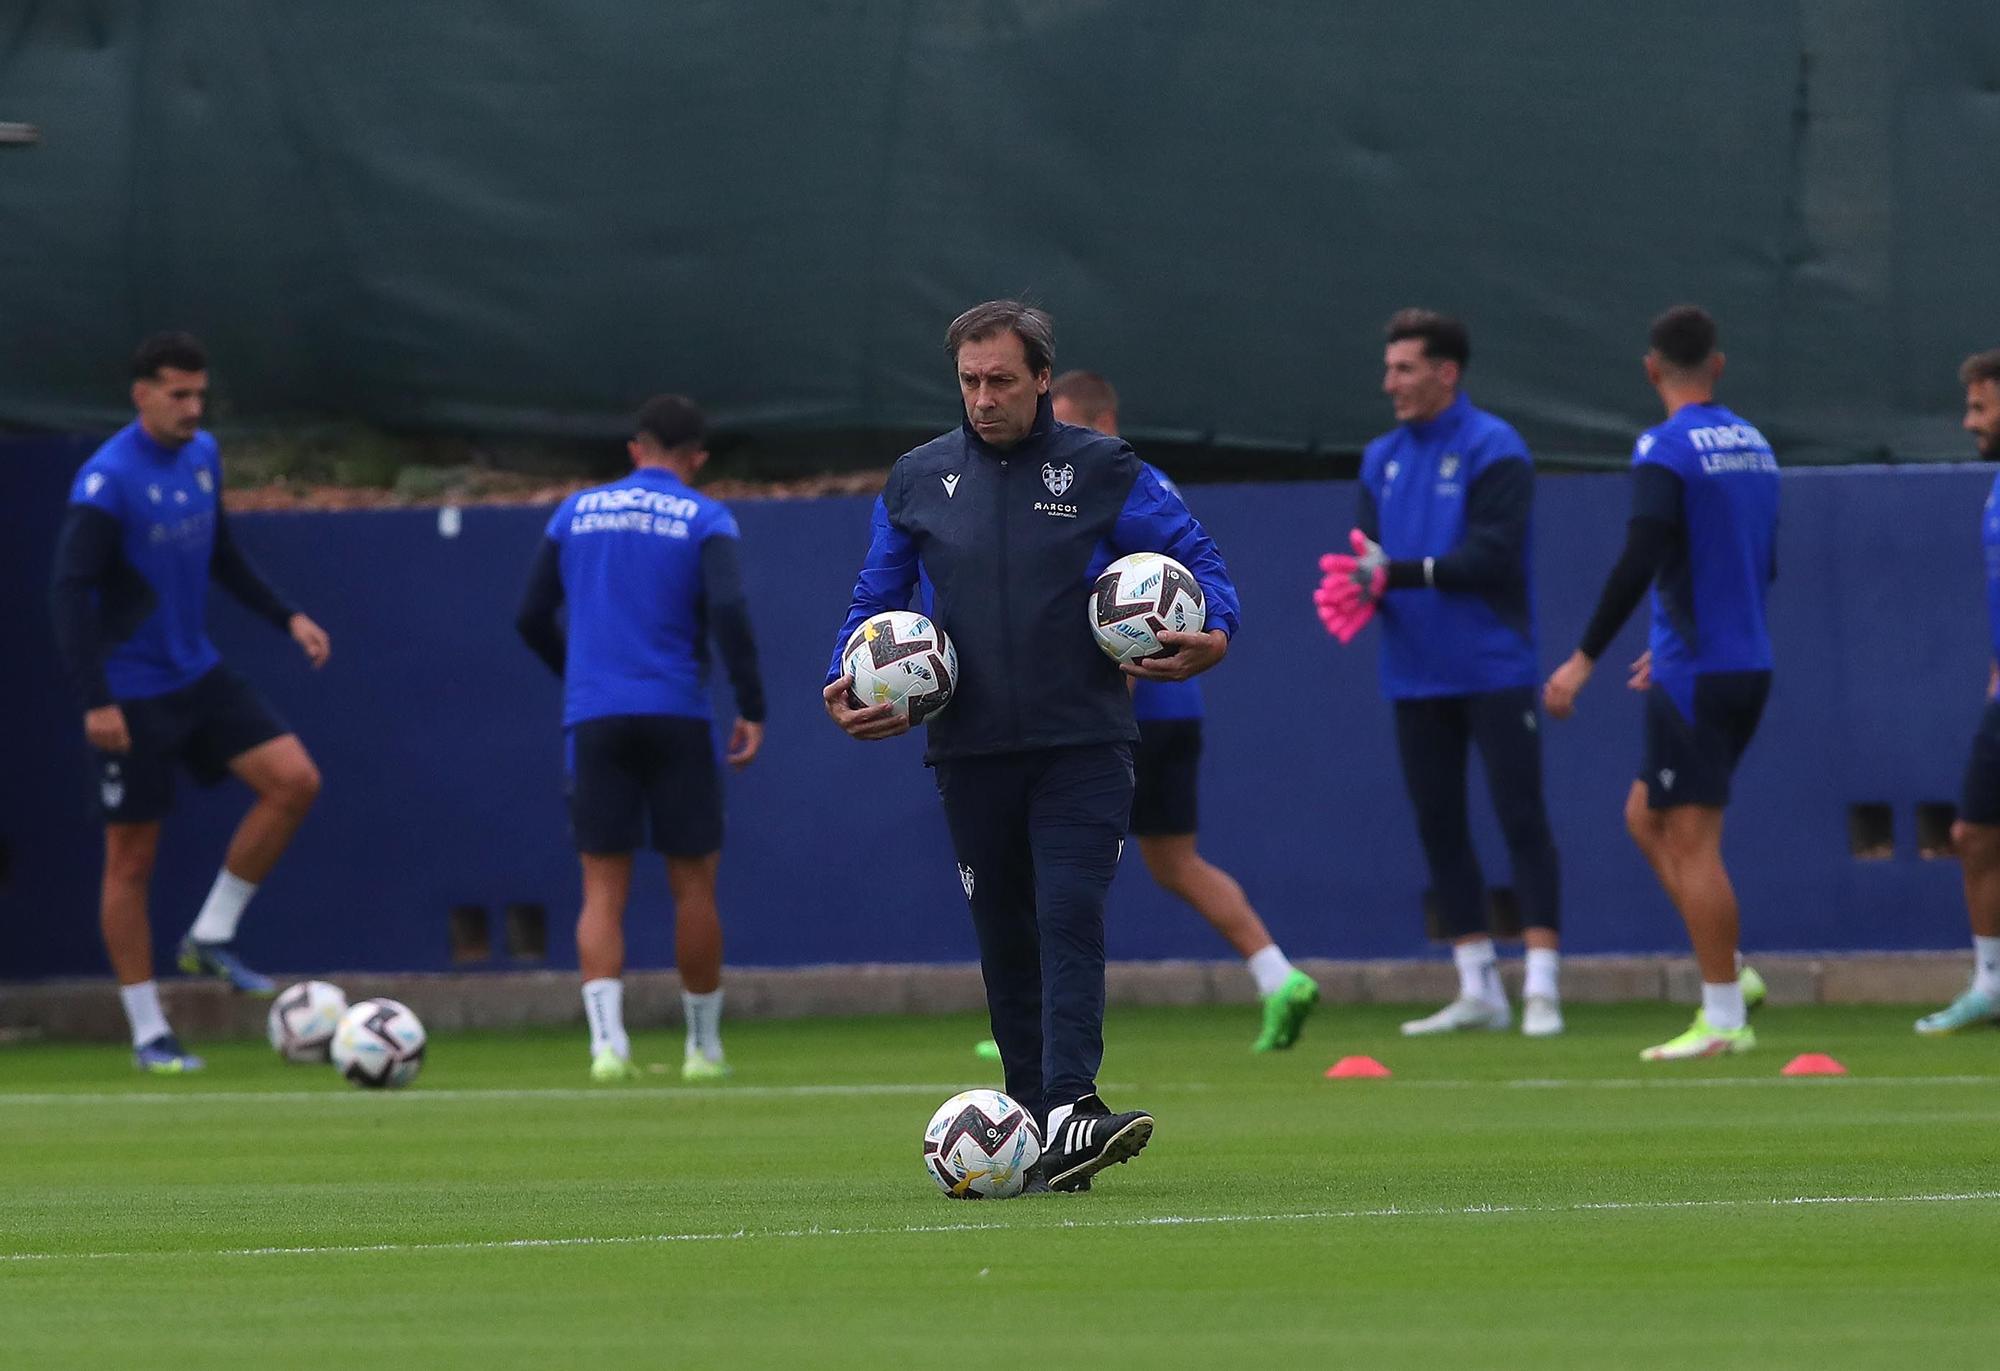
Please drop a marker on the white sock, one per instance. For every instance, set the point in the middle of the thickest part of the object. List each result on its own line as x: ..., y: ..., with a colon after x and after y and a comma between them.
x: 604, y: 1006
x: 1478, y: 971
x: 1543, y: 965
x: 1269, y: 969
x: 1986, y: 965
x: 704, y: 1024
x: 223, y: 908
x: 143, y: 1012
x: 1722, y: 1005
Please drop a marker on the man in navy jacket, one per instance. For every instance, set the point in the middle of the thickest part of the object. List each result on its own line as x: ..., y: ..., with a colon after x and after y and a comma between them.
x: 1004, y: 524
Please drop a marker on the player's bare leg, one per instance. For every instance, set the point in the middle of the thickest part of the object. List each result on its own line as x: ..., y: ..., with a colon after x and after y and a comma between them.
x: 1978, y: 848
x: 1684, y: 847
x: 698, y: 956
x: 130, y: 851
x: 1288, y: 993
x: 1181, y: 870
x: 600, y: 956
x: 600, y: 928
x: 286, y: 783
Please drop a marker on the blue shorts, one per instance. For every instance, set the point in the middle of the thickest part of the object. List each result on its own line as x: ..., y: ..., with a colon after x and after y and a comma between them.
x: 1164, y: 768
x: 203, y: 727
x: 1979, y: 798
x: 632, y: 772
x: 1691, y: 761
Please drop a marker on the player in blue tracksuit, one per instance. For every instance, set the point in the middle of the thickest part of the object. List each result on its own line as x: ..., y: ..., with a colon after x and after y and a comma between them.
x: 646, y: 567
x: 1164, y: 797
x: 1445, y: 502
x: 144, y: 535
x: 1704, y: 533
x: 1004, y: 523
x: 1976, y: 835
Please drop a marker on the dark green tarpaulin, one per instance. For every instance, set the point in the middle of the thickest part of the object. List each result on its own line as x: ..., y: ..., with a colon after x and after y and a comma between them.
x: 524, y: 216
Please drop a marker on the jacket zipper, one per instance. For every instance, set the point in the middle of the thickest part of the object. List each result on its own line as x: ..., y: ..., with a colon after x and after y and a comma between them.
x: 1006, y: 610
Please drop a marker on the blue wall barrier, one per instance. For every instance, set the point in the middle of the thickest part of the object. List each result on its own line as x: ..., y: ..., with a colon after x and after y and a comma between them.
x: 437, y: 732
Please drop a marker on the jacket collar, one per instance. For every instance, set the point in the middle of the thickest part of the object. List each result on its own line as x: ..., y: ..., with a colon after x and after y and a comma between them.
x: 1045, y: 422
x: 1448, y: 418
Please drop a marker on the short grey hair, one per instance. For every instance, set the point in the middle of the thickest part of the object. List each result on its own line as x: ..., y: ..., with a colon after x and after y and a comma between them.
x: 1032, y: 326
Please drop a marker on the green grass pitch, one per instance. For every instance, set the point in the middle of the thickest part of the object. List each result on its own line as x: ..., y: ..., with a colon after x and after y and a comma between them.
x: 1499, y: 1203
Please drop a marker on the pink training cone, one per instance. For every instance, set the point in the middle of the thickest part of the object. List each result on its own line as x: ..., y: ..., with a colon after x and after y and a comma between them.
x: 1356, y: 1068
x: 1813, y: 1064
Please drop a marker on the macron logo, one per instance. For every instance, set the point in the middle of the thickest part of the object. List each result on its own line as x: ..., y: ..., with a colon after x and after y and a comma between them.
x: 950, y: 485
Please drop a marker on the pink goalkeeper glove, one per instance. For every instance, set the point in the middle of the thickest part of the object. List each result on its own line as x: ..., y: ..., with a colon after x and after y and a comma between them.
x: 1351, y: 587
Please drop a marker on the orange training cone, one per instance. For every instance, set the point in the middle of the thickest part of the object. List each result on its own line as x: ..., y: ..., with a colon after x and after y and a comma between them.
x: 1356, y: 1068
x: 1813, y: 1064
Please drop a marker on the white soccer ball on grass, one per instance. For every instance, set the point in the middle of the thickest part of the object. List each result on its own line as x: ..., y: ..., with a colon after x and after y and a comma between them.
x: 979, y: 1146
x: 379, y: 1043
x: 1139, y: 597
x: 304, y: 1019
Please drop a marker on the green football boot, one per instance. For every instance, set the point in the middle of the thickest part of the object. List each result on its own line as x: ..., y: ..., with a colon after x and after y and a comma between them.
x: 699, y: 1070
x: 1285, y: 1012
x: 608, y: 1067
x: 1700, y: 1040
x: 1753, y: 989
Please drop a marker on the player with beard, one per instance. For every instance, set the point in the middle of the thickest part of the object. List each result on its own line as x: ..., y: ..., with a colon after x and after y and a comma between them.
x: 1976, y: 835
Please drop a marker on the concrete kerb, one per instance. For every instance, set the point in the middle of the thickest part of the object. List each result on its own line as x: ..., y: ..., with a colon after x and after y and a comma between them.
x: 88, y: 1010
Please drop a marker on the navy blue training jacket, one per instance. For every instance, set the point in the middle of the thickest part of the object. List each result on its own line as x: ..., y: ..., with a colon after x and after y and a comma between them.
x: 1005, y: 546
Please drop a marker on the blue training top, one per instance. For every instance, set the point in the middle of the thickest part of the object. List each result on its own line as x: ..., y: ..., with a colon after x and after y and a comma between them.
x: 630, y: 555
x: 1166, y: 699
x: 165, y: 502
x: 1440, y: 642
x: 1708, y: 602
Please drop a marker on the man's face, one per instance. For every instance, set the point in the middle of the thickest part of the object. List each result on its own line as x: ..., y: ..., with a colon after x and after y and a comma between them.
x: 1982, y: 417
x: 170, y: 403
x: 1418, y: 387
x: 1000, y: 392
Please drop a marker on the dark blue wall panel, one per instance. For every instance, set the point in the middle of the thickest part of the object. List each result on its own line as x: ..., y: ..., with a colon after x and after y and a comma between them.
x: 437, y: 733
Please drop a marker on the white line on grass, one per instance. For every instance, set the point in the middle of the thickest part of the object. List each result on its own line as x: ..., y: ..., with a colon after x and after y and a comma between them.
x: 906, y: 1230
x: 782, y: 1092
x: 622, y: 1092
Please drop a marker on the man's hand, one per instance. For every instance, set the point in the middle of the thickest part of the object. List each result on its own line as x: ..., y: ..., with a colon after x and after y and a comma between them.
x: 1188, y: 654
x: 1642, y: 672
x: 1559, y: 695
x: 745, y: 740
x: 876, y: 721
x: 105, y: 729
x: 311, y: 638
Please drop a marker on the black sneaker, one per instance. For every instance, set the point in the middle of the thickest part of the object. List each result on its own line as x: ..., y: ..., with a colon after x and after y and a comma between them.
x: 1090, y: 1139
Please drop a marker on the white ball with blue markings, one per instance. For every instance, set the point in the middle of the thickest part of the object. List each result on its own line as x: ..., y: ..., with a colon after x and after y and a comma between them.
x: 1139, y: 597
x: 303, y: 1020
x: 980, y: 1146
x: 903, y: 660
x: 379, y: 1044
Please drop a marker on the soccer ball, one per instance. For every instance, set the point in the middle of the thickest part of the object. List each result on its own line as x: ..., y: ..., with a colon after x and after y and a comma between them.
x: 303, y: 1020
x: 379, y: 1043
x: 901, y: 659
x: 1139, y: 597
x: 980, y: 1145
